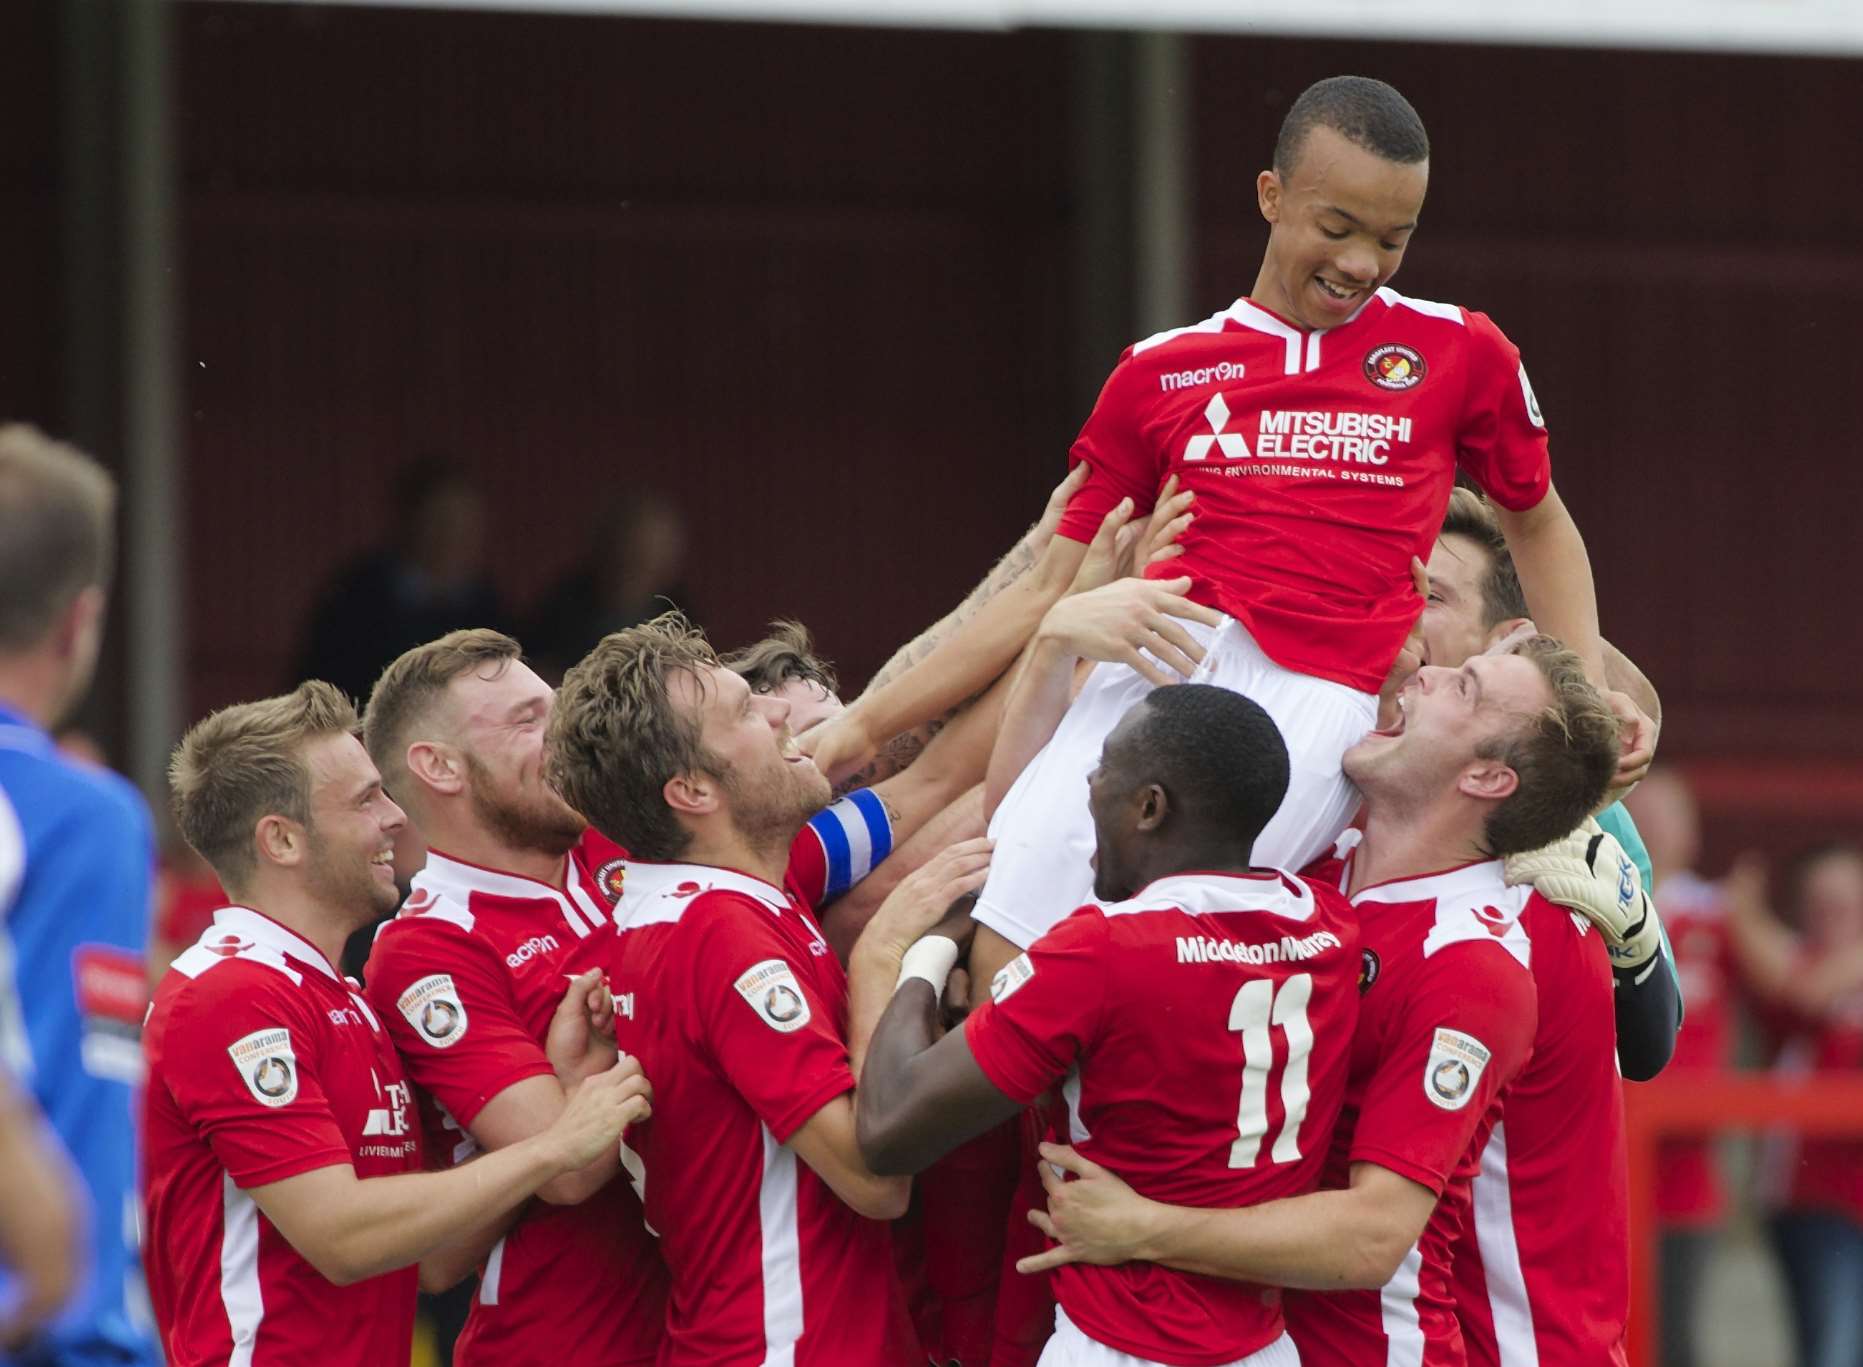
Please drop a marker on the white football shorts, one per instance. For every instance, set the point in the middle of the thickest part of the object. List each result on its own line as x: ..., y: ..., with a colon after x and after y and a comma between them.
x: 1044, y: 835
x: 1071, y: 1348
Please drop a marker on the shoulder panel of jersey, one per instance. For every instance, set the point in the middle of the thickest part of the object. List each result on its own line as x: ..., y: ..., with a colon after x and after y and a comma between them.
x: 445, y: 887
x: 660, y: 893
x: 1199, y: 893
x: 1453, y: 313
x: 1473, y: 904
x: 241, y: 935
x: 851, y: 837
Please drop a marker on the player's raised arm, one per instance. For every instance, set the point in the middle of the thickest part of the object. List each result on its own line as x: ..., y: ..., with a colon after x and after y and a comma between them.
x: 350, y: 1228
x: 959, y: 656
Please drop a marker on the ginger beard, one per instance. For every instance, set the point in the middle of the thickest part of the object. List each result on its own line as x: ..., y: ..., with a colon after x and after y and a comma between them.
x: 520, y: 818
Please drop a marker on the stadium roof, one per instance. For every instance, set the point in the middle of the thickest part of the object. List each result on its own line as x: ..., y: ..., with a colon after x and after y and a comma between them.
x: 1810, y: 27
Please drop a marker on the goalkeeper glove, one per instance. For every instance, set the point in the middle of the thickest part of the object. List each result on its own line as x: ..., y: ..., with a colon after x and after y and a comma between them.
x: 1589, y: 872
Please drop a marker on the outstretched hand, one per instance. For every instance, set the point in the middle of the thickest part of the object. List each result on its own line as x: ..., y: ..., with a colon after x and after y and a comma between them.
x: 1096, y: 1218
x: 925, y: 898
x: 1133, y: 622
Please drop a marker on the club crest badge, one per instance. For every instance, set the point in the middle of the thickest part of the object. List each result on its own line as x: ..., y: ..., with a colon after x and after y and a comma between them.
x: 267, y: 1066
x: 432, y: 1006
x: 775, y: 995
x: 1395, y: 366
x: 611, y: 878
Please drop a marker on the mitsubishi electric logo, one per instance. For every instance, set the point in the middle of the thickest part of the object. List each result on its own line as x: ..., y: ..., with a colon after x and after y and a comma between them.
x: 1232, y: 444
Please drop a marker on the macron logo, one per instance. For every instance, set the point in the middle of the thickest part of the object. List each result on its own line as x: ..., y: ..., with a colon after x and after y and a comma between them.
x: 530, y: 949
x: 1205, y: 949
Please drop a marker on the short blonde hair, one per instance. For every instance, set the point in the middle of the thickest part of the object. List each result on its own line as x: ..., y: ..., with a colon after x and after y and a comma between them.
x: 410, y: 686
x: 246, y: 762
x: 617, y: 735
x: 1564, y: 756
x: 57, y: 531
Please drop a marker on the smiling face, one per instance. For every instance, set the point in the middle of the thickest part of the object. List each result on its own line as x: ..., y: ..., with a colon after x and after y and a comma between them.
x: 1454, y: 623
x: 1446, y: 718
x: 1339, y: 223
x: 350, y: 836
x: 500, y: 713
x: 769, y: 786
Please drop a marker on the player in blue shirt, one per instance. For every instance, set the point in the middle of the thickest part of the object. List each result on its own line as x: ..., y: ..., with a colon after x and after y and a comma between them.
x: 75, y: 863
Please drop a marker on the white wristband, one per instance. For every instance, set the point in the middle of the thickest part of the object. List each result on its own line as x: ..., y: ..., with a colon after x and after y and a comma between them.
x: 930, y: 960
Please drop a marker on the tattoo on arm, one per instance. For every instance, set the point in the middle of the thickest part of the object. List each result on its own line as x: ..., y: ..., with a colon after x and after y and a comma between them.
x: 1020, y: 560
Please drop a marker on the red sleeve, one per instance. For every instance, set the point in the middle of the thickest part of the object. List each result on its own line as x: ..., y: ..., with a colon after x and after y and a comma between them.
x: 1502, y: 440
x: 763, y: 1020
x: 1122, y: 465
x: 445, y: 996
x: 1463, y: 1035
x: 1044, y: 1008
x: 246, y: 1077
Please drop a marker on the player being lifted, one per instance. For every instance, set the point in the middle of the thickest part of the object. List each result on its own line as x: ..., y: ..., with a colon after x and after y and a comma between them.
x: 1138, y: 1005
x: 1319, y: 424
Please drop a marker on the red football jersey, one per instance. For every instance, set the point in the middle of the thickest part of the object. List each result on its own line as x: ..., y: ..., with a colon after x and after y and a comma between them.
x: 737, y: 1009
x: 264, y: 1064
x: 467, y: 978
x: 1139, y: 1006
x: 1321, y: 462
x: 1543, y: 1279
x: 1446, y: 1019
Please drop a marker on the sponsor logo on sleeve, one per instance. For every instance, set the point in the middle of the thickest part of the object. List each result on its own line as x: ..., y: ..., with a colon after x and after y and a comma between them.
x: 775, y: 995
x: 1009, y: 979
x: 432, y: 1006
x: 267, y: 1065
x: 1395, y: 366
x: 1455, y: 1065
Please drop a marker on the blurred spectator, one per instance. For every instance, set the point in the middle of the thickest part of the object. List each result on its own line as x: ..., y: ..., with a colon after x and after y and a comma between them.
x: 75, y: 860
x: 426, y: 580
x: 1806, y: 975
x: 1689, y: 1199
x: 632, y: 572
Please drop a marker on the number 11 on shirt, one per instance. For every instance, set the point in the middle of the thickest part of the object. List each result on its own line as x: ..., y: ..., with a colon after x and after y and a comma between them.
x: 1258, y: 1008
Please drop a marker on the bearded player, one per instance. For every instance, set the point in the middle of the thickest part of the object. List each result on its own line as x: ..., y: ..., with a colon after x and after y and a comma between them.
x: 771, y: 1223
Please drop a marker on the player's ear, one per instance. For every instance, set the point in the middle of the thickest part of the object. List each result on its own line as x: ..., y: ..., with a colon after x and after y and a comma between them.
x: 692, y: 794
x: 1153, y: 806
x: 278, y: 839
x: 437, y: 766
x: 1488, y: 779
x: 1268, y: 195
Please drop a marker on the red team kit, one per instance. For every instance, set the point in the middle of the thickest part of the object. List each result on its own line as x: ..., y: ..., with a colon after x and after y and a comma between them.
x: 1217, y: 1041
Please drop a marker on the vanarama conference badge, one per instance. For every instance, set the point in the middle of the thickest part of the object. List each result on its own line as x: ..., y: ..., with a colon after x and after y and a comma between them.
x: 775, y: 995
x: 267, y: 1065
x: 432, y: 1006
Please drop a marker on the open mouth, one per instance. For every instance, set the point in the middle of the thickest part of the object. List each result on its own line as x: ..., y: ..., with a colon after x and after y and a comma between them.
x: 1396, y: 728
x: 1337, y: 294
